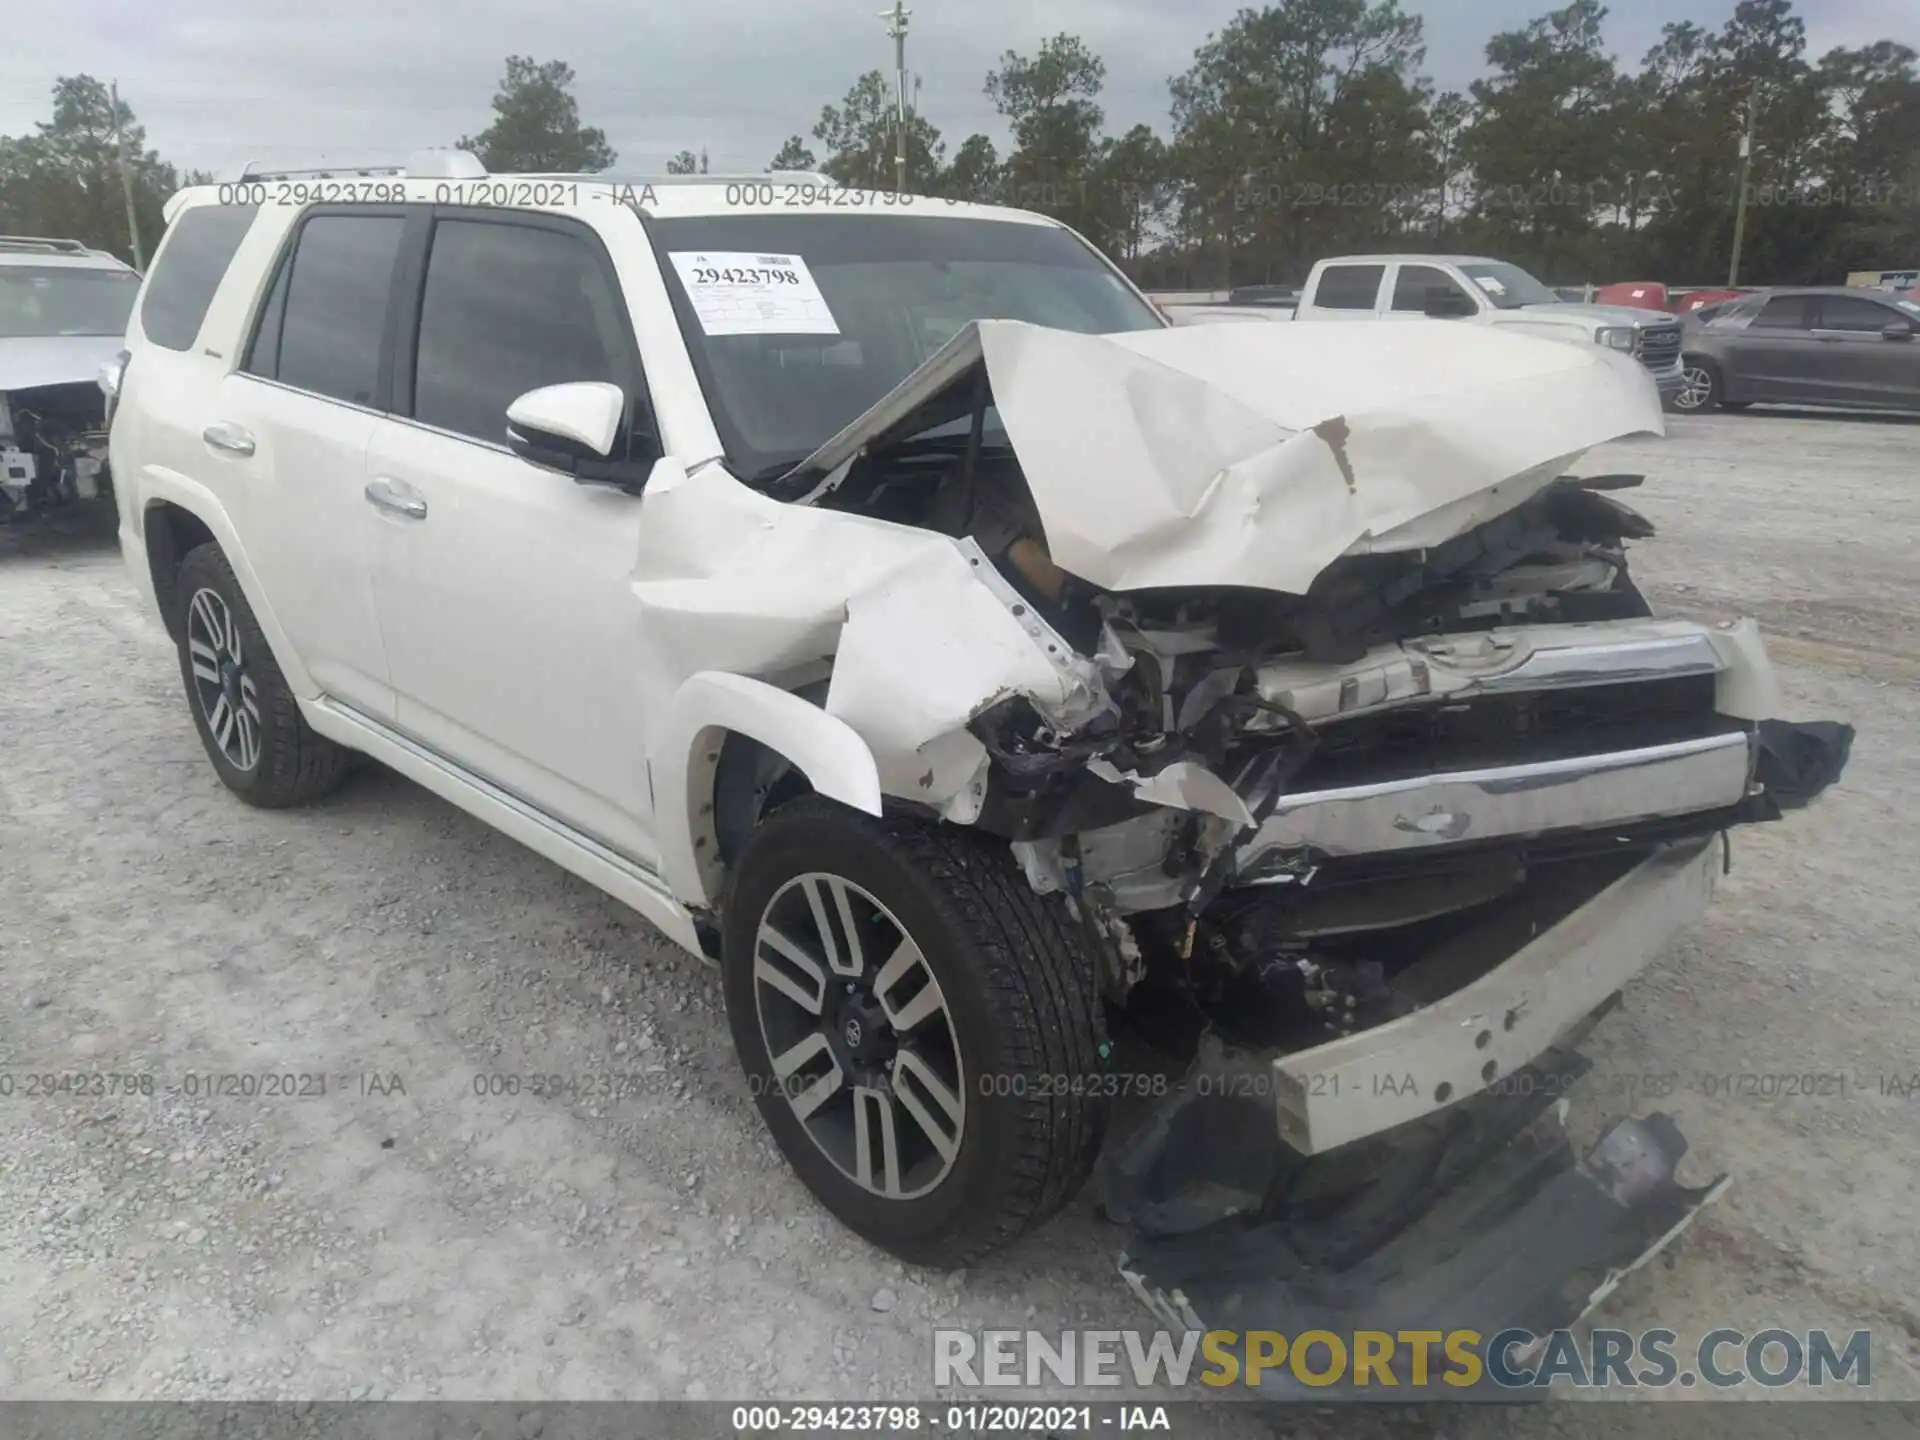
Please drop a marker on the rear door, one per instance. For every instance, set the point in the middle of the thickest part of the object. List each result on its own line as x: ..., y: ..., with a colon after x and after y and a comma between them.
x: 1776, y: 357
x: 293, y: 422
x: 1860, y: 364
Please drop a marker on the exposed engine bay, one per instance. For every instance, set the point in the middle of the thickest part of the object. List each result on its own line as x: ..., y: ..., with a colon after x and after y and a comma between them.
x: 53, y: 448
x: 1219, y: 707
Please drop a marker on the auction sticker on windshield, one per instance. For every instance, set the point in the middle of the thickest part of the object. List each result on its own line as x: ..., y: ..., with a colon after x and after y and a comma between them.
x: 738, y: 293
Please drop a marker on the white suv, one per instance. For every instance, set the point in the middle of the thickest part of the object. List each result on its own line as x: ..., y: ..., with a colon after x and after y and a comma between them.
x: 63, y: 312
x: 881, y: 599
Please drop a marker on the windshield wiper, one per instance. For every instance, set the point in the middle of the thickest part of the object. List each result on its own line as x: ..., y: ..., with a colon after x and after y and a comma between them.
x: 767, y: 474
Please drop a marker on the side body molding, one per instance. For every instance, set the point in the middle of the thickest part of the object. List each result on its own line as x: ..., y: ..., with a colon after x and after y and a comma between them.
x: 686, y: 752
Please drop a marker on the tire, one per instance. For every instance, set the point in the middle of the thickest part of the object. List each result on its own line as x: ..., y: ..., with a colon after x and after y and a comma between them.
x: 1704, y: 387
x: 260, y: 746
x: 1024, y: 1030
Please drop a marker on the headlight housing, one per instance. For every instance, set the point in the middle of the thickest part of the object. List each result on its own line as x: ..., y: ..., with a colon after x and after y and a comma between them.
x: 1614, y: 337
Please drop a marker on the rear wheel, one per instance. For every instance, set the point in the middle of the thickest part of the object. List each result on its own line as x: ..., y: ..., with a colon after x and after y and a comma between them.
x: 921, y: 1031
x: 242, y: 706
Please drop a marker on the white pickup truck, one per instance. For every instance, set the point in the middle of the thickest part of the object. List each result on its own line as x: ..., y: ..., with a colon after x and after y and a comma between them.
x: 1493, y: 292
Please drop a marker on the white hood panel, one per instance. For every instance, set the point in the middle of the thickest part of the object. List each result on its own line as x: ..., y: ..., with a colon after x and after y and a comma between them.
x: 32, y: 361
x: 1257, y: 455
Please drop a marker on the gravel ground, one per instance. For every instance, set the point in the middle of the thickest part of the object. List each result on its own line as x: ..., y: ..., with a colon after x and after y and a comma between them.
x: 403, y: 1236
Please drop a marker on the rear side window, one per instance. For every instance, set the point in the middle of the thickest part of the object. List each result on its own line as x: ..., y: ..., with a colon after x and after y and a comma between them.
x: 509, y: 308
x: 1349, y: 287
x: 1850, y: 312
x: 189, y: 268
x: 1783, y: 312
x: 1411, y: 285
x: 325, y: 321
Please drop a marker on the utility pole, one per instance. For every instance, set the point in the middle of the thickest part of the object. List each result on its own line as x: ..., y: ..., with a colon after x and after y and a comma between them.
x: 126, y: 177
x: 1746, y: 170
x: 896, y: 19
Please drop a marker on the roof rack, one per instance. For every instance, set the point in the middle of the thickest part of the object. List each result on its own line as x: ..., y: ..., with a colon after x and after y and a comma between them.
x: 760, y: 177
x: 44, y: 245
x: 421, y: 165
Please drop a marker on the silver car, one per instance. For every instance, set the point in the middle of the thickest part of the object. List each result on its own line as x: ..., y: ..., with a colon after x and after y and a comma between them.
x: 1811, y: 346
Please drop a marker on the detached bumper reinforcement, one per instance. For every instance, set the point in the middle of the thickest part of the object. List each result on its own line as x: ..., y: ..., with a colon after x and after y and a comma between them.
x: 1443, y: 1053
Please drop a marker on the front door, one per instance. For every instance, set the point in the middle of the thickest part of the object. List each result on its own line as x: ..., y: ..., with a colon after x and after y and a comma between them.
x: 1861, y: 365
x: 504, y: 589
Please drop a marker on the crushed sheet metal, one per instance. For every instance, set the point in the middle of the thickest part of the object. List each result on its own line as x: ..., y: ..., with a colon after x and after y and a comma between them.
x: 1203, y: 455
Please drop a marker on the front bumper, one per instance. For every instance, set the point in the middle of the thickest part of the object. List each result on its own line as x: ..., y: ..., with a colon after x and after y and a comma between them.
x: 1420, y: 1176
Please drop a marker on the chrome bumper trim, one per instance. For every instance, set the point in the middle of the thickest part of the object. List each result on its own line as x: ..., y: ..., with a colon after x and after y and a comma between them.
x: 1505, y: 802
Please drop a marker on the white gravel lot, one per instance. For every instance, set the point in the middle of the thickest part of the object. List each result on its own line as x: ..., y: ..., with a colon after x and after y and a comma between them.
x: 402, y: 1236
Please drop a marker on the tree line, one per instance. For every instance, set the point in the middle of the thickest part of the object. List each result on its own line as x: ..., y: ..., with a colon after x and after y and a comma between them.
x: 1307, y: 128
x: 1301, y: 129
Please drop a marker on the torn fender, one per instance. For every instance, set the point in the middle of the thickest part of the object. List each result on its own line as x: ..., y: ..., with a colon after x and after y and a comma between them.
x: 930, y: 645
x: 686, y: 753
x: 1258, y: 454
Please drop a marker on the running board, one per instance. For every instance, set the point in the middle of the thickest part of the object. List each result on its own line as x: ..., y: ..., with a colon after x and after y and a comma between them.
x: 630, y: 883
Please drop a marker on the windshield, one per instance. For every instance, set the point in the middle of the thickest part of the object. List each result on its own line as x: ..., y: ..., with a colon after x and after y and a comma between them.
x: 1508, y: 286
x: 41, y: 301
x: 798, y: 323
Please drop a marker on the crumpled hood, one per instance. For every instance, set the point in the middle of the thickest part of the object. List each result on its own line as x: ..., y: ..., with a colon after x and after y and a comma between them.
x: 30, y: 361
x: 1257, y: 455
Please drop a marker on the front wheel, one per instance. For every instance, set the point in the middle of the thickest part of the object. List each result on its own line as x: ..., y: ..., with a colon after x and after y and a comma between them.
x: 1702, y: 389
x: 921, y: 1031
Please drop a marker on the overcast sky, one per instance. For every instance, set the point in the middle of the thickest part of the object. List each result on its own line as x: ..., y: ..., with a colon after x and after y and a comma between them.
x: 217, y: 82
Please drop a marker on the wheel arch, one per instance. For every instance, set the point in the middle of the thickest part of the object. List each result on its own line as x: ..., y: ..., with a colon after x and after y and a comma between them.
x: 1711, y: 363
x: 175, y: 516
x: 706, y: 714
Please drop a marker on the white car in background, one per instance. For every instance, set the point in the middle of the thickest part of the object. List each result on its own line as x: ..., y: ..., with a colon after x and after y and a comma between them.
x: 63, y: 315
x: 1473, y: 289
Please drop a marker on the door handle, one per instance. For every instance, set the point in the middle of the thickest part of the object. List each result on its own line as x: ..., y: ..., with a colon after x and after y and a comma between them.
x: 382, y: 493
x: 233, y: 439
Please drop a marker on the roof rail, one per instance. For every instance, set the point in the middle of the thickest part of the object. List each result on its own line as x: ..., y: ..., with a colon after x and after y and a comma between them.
x: 805, y: 177
x: 44, y: 244
x: 420, y: 165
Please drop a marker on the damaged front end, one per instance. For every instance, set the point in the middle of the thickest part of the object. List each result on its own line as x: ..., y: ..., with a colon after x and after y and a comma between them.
x: 1321, y: 693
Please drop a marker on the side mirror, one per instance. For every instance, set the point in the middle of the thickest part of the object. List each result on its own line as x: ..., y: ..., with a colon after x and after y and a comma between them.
x: 1897, y: 330
x: 573, y: 428
x: 1443, y: 302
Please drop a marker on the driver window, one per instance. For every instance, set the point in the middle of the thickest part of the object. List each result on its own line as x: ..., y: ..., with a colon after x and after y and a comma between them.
x: 1411, y: 285
x: 508, y: 308
x: 1783, y: 312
